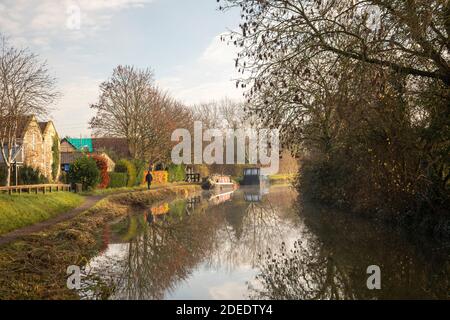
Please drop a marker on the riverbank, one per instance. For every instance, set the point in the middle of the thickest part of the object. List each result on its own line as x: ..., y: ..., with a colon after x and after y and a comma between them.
x: 282, y: 179
x: 35, y: 266
x: 18, y: 211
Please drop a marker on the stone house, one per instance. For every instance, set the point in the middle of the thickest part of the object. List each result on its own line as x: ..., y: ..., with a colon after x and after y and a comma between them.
x: 35, y: 144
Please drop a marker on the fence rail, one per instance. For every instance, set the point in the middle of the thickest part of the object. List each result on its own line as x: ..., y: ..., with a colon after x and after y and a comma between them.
x: 36, y: 188
x: 192, y: 177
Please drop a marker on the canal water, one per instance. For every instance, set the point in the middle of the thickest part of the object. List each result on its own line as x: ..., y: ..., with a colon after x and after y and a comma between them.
x: 260, y: 244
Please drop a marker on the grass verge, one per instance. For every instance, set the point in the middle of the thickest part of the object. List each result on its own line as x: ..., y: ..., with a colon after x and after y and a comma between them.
x: 17, y: 211
x: 282, y: 178
x: 35, y: 267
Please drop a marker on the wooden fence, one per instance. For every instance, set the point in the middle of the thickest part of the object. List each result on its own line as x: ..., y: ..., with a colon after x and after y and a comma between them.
x: 36, y: 188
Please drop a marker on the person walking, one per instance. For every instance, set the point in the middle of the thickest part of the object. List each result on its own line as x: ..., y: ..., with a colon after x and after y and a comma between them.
x: 149, y: 179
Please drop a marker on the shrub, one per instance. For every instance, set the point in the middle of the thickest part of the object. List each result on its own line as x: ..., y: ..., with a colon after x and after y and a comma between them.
x: 56, y: 158
x: 117, y: 179
x: 29, y: 175
x: 125, y: 166
x: 140, y: 166
x: 2, y: 175
x: 176, y: 173
x: 102, y: 165
x: 159, y: 176
x: 84, y: 170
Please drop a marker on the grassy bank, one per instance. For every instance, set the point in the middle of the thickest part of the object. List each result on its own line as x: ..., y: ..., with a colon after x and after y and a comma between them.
x: 35, y: 267
x: 17, y: 211
x: 110, y: 191
x: 282, y: 178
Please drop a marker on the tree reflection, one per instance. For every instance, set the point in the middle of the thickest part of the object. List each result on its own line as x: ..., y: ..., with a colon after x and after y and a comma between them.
x: 331, y: 260
x: 163, y: 246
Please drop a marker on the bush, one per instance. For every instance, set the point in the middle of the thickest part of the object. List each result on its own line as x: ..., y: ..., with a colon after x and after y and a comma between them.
x: 29, y: 175
x: 56, y: 158
x: 2, y: 175
x: 84, y: 170
x: 160, y: 176
x: 117, y: 180
x: 176, y: 173
x: 125, y: 166
x: 102, y: 165
x: 141, y: 168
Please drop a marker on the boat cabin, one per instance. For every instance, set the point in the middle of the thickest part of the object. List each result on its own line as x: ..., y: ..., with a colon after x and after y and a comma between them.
x: 252, y: 176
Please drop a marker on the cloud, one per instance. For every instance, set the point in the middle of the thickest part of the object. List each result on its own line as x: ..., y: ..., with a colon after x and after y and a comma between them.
x: 72, y: 112
x: 228, y: 291
x: 49, y: 18
x: 211, y: 77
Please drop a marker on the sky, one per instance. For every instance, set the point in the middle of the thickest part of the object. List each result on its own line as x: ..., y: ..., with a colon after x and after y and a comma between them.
x: 83, y: 40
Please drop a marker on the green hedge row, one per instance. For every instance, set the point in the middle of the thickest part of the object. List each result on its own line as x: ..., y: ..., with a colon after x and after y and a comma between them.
x: 176, y: 173
x: 117, y: 179
x: 127, y: 167
x: 27, y: 175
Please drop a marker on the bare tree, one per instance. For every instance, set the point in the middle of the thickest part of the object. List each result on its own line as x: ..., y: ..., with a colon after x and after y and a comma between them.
x: 408, y: 37
x: 122, y: 104
x: 26, y: 88
x: 132, y: 107
x: 361, y: 88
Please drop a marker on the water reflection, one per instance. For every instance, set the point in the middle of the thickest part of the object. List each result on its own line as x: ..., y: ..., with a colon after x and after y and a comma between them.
x: 332, y: 262
x: 258, y: 244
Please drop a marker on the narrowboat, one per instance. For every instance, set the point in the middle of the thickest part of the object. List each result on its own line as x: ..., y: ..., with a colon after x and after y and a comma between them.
x: 218, y: 182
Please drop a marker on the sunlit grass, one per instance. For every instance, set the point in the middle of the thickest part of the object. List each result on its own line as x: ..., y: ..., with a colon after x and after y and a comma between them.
x: 282, y: 178
x: 17, y: 211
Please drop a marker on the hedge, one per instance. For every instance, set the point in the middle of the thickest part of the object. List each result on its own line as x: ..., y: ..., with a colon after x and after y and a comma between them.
x: 140, y: 166
x: 29, y: 175
x: 125, y: 166
x: 117, y: 179
x: 84, y: 170
x: 102, y: 165
x: 158, y: 177
x: 176, y: 173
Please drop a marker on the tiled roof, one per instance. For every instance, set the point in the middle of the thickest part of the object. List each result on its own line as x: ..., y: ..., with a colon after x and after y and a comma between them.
x: 22, y: 126
x: 119, y: 146
x: 81, y: 144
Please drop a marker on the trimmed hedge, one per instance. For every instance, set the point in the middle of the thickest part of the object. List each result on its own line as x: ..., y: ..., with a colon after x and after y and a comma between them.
x: 176, y: 173
x: 117, y: 179
x: 125, y: 166
x: 158, y: 176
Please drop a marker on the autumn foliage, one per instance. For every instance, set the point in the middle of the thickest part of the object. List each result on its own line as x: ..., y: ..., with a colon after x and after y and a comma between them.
x: 102, y: 165
x: 158, y: 177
